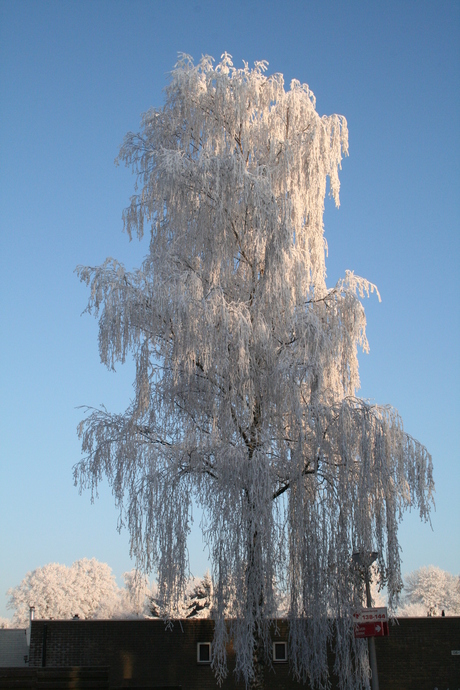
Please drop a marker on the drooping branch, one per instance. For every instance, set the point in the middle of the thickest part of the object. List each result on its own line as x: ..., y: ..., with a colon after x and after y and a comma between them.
x: 247, y: 372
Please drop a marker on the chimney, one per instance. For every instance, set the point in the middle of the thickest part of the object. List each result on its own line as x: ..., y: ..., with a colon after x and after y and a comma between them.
x: 31, y: 617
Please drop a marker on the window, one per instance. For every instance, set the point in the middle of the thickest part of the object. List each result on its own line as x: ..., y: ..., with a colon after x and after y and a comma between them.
x: 203, y: 652
x: 279, y: 651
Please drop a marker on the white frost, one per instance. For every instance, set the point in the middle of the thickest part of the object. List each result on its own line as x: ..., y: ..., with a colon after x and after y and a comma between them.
x: 428, y: 591
x: 247, y: 373
x: 86, y: 589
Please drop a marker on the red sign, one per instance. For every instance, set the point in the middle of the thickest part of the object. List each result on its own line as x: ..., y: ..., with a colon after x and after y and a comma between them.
x: 371, y: 622
x: 371, y: 629
x: 377, y: 615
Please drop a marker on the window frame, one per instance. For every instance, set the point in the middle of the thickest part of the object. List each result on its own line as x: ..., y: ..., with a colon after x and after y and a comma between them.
x: 275, y: 659
x: 198, y: 647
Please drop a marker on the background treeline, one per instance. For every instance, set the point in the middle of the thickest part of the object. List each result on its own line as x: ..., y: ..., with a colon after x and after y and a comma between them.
x: 88, y: 589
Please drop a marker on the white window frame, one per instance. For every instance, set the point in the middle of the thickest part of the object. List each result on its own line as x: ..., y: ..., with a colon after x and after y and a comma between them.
x: 198, y: 647
x: 280, y: 661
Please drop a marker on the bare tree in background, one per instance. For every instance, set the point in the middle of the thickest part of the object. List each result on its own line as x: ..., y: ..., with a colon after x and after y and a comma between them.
x: 247, y: 372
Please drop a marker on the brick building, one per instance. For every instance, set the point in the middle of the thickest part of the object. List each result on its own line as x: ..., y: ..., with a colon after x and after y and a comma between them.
x: 418, y: 655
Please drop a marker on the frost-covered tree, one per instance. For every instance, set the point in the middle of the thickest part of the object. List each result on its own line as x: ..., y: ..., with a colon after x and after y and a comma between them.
x: 199, y: 599
x: 96, y: 586
x: 160, y: 607
x: 196, y: 601
x: 428, y: 591
x: 5, y: 622
x: 377, y: 596
x: 247, y: 372
x: 86, y: 589
x: 135, y: 596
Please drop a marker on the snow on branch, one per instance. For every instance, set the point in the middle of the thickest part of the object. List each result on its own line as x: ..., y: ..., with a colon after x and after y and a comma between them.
x: 247, y: 373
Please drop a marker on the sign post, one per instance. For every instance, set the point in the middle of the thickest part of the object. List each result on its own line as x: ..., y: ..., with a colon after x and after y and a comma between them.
x: 364, y: 561
x: 371, y: 622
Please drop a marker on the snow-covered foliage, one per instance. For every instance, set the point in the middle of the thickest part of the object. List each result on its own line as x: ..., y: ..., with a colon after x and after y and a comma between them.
x: 428, y: 591
x: 378, y: 598
x: 135, y: 595
x: 247, y: 373
x: 199, y: 599
x: 86, y: 589
x: 196, y: 602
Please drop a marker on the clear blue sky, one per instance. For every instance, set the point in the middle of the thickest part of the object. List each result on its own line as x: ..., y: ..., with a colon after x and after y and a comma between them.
x: 75, y: 77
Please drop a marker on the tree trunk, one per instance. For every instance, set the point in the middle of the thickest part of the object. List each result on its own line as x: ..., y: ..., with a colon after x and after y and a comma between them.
x: 257, y: 682
x: 256, y: 594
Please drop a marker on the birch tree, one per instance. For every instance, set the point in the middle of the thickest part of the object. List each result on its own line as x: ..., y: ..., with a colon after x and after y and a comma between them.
x: 245, y: 395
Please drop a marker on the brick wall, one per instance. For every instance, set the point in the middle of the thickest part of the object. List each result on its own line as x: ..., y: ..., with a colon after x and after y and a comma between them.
x: 416, y: 656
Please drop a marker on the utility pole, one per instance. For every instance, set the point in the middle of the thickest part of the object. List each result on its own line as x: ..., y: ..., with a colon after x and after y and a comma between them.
x: 364, y: 561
